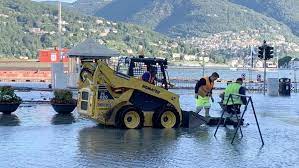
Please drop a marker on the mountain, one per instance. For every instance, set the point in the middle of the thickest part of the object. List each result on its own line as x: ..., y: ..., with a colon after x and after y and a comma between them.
x: 286, y: 11
x: 65, y: 4
x: 89, y: 7
x: 187, y: 18
x: 26, y: 26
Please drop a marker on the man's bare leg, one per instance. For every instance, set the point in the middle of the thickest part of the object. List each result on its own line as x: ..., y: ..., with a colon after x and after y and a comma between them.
x: 207, y: 112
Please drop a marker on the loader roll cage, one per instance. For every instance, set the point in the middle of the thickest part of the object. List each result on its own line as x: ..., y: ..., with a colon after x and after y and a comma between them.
x: 137, y: 66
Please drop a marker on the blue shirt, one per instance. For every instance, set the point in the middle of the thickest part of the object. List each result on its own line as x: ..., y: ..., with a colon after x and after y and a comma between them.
x: 146, y: 76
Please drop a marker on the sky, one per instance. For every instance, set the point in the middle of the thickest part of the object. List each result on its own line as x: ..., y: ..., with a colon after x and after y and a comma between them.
x: 56, y: 0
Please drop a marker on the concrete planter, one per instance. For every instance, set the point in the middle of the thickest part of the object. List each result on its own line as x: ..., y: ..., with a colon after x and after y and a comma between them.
x: 8, y: 108
x: 64, y: 108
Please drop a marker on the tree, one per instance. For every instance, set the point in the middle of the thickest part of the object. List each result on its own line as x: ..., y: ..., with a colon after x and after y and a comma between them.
x: 282, y: 62
x: 27, y: 40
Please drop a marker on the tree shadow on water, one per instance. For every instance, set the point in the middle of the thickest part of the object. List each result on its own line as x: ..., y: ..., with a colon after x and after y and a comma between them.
x: 9, y: 120
x: 59, y: 119
x: 95, y: 140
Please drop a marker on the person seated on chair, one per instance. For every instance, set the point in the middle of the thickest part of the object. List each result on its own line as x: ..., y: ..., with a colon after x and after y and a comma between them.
x: 150, y: 75
x: 233, y: 103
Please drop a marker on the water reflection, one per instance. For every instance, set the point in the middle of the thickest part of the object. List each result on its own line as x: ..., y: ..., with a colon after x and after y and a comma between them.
x: 9, y: 120
x: 99, y: 144
x: 155, y: 147
x: 32, y: 143
x: 59, y: 119
x: 202, y: 133
x: 228, y: 135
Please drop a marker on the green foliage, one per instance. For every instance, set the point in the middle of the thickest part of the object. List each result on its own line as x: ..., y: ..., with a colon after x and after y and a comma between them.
x: 285, y: 11
x: 284, y: 61
x: 63, y: 96
x: 7, y: 95
x: 197, y: 17
x: 89, y: 7
x: 21, y: 18
x: 171, y: 17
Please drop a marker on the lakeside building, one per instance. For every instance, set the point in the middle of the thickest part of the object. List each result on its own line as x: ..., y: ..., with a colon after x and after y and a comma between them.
x: 294, y: 63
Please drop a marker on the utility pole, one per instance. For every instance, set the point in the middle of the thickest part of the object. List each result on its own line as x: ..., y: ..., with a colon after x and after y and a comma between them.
x: 251, y: 63
x: 59, y: 79
x: 265, y: 52
x: 295, y: 79
x: 203, y: 65
x: 59, y: 32
x: 265, y: 66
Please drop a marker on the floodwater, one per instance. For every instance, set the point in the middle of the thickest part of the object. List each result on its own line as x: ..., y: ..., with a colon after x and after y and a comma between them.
x: 227, y: 74
x: 35, y: 136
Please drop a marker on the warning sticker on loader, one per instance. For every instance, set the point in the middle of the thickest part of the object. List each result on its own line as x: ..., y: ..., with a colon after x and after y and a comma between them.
x: 103, y: 93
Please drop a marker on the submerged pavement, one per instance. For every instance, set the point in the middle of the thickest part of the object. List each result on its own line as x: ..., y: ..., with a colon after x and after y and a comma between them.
x: 35, y: 136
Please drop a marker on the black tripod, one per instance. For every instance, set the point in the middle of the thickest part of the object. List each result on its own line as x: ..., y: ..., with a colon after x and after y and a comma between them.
x: 249, y: 100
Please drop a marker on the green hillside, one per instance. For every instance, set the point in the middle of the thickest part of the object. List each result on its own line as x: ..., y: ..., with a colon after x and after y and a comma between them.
x: 27, y: 26
x: 184, y: 17
x: 286, y: 11
x: 89, y: 7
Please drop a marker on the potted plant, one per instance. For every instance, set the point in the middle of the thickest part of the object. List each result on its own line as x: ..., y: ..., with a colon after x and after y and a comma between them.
x: 9, y: 101
x: 63, y: 101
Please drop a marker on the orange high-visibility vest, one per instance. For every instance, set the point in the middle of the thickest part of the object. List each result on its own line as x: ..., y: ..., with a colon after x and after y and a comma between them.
x: 205, y: 89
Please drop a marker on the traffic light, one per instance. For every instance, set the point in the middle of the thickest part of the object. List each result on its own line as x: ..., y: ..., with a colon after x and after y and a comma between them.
x: 266, y: 51
x: 269, y: 52
x: 261, y: 52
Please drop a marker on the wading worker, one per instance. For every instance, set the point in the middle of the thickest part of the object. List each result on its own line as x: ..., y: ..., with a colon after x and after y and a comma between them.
x: 203, y: 93
x: 234, y: 103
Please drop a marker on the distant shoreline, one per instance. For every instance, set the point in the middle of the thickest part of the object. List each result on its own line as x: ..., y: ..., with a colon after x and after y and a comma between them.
x: 194, y: 66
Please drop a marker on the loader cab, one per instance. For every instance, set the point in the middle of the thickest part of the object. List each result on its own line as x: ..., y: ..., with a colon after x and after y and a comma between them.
x: 137, y: 66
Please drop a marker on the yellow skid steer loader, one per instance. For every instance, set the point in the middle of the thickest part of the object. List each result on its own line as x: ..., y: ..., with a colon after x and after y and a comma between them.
x: 120, y: 98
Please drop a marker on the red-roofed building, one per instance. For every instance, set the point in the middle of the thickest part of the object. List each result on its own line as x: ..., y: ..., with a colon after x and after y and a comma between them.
x: 52, y: 55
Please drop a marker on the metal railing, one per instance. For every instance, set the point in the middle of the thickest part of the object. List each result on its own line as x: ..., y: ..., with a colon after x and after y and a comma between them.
x: 248, y: 101
x: 251, y: 86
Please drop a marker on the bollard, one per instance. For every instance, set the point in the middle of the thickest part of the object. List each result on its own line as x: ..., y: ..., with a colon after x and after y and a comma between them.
x: 272, y: 86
